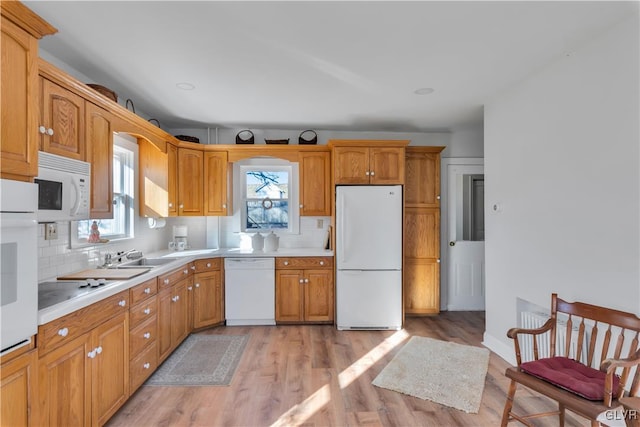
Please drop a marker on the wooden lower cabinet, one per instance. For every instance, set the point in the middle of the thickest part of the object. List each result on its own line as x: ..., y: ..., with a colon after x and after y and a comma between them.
x: 304, y: 295
x: 17, y: 391
x: 173, y: 317
x: 85, y: 381
x: 207, y: 299
x: 421, y: 290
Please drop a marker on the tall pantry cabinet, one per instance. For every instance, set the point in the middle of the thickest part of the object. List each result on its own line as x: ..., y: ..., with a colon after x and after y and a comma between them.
x: 422, y: 231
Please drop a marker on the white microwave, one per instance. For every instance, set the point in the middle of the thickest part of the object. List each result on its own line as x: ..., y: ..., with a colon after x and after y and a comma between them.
x: 64, y: 188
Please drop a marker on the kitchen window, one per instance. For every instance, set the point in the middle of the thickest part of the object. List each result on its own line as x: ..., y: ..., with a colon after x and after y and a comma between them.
x: 125, y: 154
x: 268, y: 196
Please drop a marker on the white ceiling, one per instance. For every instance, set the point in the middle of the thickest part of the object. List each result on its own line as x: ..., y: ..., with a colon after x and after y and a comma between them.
x: 320, y: 65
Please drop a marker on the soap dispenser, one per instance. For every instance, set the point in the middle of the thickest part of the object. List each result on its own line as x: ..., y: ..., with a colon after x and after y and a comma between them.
x: 271, y: 242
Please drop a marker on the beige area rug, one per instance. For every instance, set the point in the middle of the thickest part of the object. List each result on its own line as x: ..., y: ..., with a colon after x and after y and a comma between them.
x: 444, y: 372
x: 201, y: 360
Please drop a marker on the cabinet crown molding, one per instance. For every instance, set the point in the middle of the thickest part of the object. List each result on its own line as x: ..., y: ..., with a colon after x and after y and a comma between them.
x: 25, y: 18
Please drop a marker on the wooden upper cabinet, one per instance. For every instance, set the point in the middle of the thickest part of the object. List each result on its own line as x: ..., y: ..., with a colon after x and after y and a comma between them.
x: 351, y: 165
x: 422, y: 177
x: 62, y: 125
x: 368, y: 162
x: 99, y: 146
x: 190, y: 182
x: 19, y: 98
x: 153, y: 180
x: 386, y: 165
x: 315, y: 194
x: 215, y: 183
x: 172, y: 177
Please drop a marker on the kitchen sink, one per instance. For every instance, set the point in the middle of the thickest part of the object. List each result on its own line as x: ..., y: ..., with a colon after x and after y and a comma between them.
x: 145, y: 263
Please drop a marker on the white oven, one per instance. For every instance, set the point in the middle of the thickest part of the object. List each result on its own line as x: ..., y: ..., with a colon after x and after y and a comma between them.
x: 18, y: 263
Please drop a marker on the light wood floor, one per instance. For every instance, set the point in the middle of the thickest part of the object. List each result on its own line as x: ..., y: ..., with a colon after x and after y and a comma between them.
x: 318, y: 376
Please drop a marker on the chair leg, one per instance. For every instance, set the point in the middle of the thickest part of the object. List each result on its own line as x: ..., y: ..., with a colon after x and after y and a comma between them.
x: 561, y: 414
x: 508, y: 404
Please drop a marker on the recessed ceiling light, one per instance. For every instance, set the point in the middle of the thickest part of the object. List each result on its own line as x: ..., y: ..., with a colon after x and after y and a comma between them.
x: 185, y: 86
x: 424, y: 91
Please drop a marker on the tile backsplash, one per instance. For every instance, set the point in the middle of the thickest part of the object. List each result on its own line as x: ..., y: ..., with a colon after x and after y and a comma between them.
x: 55, y: 257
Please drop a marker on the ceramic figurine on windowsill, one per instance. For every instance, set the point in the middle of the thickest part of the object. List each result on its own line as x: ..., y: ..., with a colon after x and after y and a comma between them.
x: 94, y: 234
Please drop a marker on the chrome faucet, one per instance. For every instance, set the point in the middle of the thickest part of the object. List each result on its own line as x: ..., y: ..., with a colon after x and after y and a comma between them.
x: 108, y: 260
x: 130, y: 254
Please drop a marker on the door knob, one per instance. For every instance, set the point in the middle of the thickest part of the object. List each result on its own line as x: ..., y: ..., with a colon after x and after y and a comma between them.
x: 452, y: 243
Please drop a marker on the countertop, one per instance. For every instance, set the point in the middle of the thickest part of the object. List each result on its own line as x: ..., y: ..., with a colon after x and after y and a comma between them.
x: 56, y: 311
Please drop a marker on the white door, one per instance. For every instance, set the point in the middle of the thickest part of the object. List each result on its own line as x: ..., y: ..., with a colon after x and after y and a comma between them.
x: 465, y: 249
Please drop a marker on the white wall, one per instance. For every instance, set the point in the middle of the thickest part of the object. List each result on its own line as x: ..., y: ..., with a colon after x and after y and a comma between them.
x: 562, y: 159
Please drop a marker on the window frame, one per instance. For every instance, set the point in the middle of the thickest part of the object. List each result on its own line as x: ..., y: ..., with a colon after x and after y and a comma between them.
x: 130, y: 207
x: 240, y: 193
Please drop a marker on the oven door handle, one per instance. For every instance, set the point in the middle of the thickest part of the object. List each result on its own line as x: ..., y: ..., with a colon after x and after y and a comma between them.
x: 17, y: 222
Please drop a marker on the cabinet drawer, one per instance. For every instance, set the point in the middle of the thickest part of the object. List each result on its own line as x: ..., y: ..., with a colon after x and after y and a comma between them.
x: 143, y: 290
x: 208, y: 264
x: 142, y: 367
x: 142, y: 311
x: 142, y: 336
x: 304, y: 262
x: 60, y: 331
x: 167, y: 280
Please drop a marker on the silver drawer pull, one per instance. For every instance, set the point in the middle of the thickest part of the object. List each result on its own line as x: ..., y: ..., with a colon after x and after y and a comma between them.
x: 147, y: 335
x: 147, y: 290
x: 122, y: 303
x: 146, y: 311
x: 146, y: 365
x: 63, y: 332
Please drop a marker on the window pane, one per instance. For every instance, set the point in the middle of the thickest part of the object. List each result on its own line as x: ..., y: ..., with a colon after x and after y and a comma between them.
x: 261, y: 184
x: 267, y: 213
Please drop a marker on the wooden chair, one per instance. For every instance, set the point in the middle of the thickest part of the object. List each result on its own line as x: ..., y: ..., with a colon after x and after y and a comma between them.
x: 601, y: 335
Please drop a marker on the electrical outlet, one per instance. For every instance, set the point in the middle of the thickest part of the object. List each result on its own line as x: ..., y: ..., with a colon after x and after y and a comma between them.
x: 320, y: 223
x: 50, y: 231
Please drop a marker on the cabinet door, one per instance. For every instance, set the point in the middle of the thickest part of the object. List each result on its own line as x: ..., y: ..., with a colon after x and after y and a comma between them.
x: 153, y: 181
x: 315, y: 194
x: 215, y: 183
x: 179, y: 312
x: 318, y: 295
x: 386, y: 165
x: 421, y: 286
x: 63, y: 112
x: 422, y: 233
x: 18, y: 102
x: 172, y: 179
x: 99, y: 145
x: 64, y: 384
x: 164, y: 324
x: 190, y: 182
x: 351, y: 165
x: 422, y: 180
x: 207, y: 297
x: 17, y: 391
x: 289, y: 297
x: 110, y: 369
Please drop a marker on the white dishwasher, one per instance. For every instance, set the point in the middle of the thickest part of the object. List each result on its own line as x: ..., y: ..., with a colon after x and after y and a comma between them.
x: 250, y: 291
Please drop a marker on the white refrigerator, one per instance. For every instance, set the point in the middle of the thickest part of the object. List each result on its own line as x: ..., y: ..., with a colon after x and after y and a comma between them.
x: 369, y: 257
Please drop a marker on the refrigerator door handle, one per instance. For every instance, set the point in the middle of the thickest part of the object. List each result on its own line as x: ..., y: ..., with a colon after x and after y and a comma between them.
x: 341, y: 223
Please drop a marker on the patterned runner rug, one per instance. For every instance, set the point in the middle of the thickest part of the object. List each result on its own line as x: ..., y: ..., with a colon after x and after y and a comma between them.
x: 444, y: 372
x: 201, y: 360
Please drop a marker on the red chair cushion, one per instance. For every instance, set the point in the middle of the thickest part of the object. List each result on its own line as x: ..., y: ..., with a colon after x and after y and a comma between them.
x: 572, y: 376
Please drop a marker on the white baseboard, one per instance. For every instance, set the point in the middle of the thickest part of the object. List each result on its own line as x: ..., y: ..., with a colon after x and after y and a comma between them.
x: 503, y: 350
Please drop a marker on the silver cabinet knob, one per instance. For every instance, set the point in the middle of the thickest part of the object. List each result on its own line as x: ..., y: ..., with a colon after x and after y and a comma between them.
x: 166, y: 281
x: 301, y: 206
x: 286, y: 263
x: 301, y: 280
x: 170, y: 205
x: 437, y: 197
x: 147, y: 290
x: 42, y: 129
x: 146, y: 365
x: 99, y: 350
x: 181, y: 206
x: 372, y: 173
x: 189, y: 288
x: 197, y: 285
x: 367, y: 173
x: 146, y: 311
x: 91, y: 354
x: 122, y: 303
x: 63, y: 332
x: 224, y: 206
x: 321, y: 262
x: 49, y: 131
x: 147, y: 335
x: 306, y: 280
x: 209, y: 264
